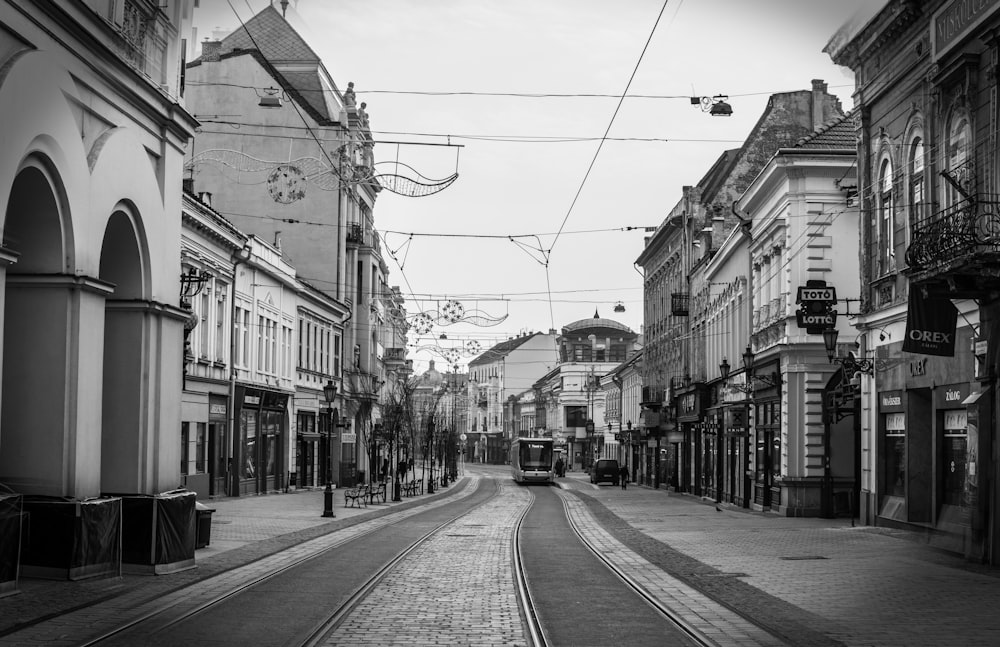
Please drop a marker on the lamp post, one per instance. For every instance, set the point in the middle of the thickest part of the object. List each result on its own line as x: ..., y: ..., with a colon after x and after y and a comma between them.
x: 330, y: 393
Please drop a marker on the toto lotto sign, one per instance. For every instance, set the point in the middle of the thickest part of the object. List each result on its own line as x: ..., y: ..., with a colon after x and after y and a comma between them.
x: 816, y: 302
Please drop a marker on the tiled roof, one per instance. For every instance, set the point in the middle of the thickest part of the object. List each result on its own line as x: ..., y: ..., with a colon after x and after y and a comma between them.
x: 501, y: 350
x: 279, y: 43
x: 835, y: 134
x: 276, y: 39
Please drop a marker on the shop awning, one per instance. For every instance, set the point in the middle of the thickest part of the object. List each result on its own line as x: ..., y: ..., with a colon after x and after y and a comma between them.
x: 974, y: 396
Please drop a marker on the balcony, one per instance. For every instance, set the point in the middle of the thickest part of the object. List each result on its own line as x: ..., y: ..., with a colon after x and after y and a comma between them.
x: 358, y: 236
x: 956, y: 251
x: 395, y: 356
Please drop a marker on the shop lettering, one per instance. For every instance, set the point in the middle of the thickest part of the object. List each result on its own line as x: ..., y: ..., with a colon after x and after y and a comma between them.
x: 893, y: 401
x: 951, y: 396
x: 952, y: 21
x: 931, y: 337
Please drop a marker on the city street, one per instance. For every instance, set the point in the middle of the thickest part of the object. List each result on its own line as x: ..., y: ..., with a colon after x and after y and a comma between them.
x: 736, y: 578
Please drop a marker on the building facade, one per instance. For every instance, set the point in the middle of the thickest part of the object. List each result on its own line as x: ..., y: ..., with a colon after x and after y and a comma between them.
x: 926, y: 92
x: 90, y: 192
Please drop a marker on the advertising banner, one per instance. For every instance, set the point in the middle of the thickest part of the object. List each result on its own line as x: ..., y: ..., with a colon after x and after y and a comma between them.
x: 930, y: 325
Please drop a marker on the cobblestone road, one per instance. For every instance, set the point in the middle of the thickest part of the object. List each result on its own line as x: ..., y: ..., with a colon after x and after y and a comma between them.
x: 455, y: 589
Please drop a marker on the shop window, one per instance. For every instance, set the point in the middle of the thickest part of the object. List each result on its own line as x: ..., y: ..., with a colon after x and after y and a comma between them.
x: 248, y: 425
x: 895, y: 454
x: 954, y: 452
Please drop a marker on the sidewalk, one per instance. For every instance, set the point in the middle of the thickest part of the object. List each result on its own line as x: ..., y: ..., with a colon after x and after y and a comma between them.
x: 244, y: 529
x: 859, y: 585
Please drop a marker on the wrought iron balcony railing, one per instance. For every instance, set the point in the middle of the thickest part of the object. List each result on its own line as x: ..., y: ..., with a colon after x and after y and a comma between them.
x: 964, y: 229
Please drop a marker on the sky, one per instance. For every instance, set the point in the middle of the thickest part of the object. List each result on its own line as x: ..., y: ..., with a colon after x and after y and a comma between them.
x: 554, y: 193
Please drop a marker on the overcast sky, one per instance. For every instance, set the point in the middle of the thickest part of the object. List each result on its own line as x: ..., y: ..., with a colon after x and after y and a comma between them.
x: 446, y: 71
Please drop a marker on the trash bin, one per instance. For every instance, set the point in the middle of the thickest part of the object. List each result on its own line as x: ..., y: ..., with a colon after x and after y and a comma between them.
x: 203, y: 529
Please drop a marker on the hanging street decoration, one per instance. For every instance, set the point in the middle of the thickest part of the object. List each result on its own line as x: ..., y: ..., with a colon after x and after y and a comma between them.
x: 286, y: 180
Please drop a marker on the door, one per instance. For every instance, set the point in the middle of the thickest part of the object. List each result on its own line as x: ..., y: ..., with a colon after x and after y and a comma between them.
x: 218, y: 465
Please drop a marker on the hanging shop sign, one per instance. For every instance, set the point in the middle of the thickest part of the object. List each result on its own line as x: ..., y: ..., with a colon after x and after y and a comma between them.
x: 930, y: 325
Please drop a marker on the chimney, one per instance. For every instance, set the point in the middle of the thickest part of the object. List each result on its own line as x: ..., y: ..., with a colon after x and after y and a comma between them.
x: 818, y: 103
x: 187, y: 184
x: 206, y: 198
x: 210, y: 50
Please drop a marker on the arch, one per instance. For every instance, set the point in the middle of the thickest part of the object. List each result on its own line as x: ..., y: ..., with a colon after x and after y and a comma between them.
x: 42, y: 314
x: 915, y: 173
x: 959, y: 162
x: 123, y: 263
x: 885, y: 207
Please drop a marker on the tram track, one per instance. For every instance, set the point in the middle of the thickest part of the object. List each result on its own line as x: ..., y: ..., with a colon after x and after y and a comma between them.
x: 191, y: 603
x: 688, y: 629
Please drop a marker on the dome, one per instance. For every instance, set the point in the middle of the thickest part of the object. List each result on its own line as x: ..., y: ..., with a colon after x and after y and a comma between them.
x: 596, y: 322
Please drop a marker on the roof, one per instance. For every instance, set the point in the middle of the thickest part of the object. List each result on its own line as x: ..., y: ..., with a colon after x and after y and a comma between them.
x: 502, y: 349
x: 279, y: 45
x: 837, y: 133
x: 718, y: 173
x: 596, y: 322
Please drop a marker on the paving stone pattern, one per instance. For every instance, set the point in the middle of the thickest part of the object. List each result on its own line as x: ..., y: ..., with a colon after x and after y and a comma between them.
x: 455, y: 589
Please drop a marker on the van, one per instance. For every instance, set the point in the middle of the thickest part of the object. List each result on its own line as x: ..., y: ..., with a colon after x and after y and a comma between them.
x: 605, y: 469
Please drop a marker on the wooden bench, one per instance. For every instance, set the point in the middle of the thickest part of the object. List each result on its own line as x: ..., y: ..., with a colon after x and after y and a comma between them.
x: 356, y: 496
x: 410, y: 488
x: 376, y: 491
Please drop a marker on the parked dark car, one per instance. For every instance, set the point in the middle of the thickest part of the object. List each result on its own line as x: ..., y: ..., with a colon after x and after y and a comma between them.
x: 606, y: 469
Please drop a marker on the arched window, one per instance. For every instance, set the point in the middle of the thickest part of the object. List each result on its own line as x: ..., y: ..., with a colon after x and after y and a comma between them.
x: 916, y: 198
x: 959, y: 166
x: 885, y: 252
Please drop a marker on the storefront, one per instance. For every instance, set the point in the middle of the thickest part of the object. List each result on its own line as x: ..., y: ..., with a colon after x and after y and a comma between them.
x: 767, y: 441
x: 698, y: 449
x: 260, y: 440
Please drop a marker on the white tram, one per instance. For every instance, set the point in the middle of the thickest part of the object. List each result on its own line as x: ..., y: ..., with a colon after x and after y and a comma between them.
x: 531, y: 460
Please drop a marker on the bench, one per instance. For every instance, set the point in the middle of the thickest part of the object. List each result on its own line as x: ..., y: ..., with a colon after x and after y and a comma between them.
x: 410, y: 488
x: 356, y: 496
x: 376, y: 491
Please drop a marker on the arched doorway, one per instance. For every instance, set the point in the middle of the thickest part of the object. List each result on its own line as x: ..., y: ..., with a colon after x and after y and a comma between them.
x: 123, y: 399
x: 42, y: 314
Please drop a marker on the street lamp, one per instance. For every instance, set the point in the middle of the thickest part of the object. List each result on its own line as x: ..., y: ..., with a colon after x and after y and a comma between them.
x: 773, y: 379
x: 716, y: 106
x: 329, y: 392
x: 851, y: 364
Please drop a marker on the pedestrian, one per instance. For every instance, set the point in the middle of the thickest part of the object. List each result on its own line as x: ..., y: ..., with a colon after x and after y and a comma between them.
x: 623, y: 476
x: 559, y: 467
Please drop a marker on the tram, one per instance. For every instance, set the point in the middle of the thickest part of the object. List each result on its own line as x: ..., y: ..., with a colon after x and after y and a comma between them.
x: 531, y: 460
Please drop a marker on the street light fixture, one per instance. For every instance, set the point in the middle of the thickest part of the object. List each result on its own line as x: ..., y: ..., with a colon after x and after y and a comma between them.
x: 774, y: 379
x: 851, y: 364
x: 716, y: 106
x: 330, y: 393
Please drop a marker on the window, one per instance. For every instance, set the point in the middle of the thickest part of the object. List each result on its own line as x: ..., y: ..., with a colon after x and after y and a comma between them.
x: 895, y: 454
x: 954, y: 456
x: 203, y: 323
x: 886, y: 254
x: 220, y: 325
x: 576, y: 416
x: 958, y: 184
x: 916, y: 173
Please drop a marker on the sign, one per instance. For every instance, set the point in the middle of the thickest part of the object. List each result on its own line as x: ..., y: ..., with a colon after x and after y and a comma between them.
x: 349, y: 437
x: 816, y: 301
x: 890, y: 401
x: 951, y: 396
x: 930, y: 325
x: 463, y: 437
x: 957, y: 19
